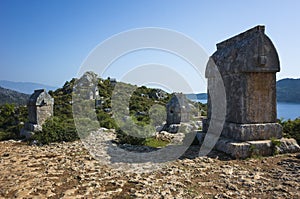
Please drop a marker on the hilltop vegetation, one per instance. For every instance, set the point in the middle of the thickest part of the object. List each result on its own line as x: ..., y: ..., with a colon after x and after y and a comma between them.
x: 145, y: 111
x: 61, y: 127
x: 143, y: 103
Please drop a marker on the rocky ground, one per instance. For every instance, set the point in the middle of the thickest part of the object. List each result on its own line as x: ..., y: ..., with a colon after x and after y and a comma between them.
x: 67, y: 170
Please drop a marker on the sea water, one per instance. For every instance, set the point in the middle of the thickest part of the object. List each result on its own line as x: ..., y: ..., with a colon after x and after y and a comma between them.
x: 284, y: 110
x: 288, y: 110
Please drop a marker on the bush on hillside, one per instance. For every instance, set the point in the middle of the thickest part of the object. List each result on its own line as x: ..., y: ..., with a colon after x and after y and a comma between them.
x: 134, y: 133
x: 11, y: 119
x: 105, y: 120
x: 56, y: 130
x: 291, y: 129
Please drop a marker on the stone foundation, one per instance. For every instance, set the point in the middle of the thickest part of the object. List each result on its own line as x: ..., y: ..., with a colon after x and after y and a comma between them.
x: 246, y: 132
x: 246, y: 149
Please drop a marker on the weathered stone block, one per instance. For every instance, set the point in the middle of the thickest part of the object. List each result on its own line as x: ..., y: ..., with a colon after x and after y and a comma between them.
x: 250, y: 83
x: 233, y: 148
x: 40, y: 108
x: 241, y: 150
x: 245, y: 132
x: 178, y: 109
x: 247, y: 65
x: 288, y: 146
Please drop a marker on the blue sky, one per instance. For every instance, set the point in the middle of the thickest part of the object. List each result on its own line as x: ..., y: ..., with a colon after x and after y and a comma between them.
x: 47, y: 41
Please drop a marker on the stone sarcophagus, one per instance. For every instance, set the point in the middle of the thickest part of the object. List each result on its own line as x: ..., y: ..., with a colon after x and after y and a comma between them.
x: 247, y: 64
x: 40, y: 108
x: 178, y: 109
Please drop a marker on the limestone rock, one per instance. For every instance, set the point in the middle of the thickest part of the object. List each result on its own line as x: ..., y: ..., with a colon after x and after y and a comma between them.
x: 288, y: 146
x: 67, y: 170
x: 243, y: 150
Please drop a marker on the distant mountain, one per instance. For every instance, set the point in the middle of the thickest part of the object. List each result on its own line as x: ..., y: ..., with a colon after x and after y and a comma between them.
x: 24, y: 87
x: 12, y: 97
x: 288, y: 90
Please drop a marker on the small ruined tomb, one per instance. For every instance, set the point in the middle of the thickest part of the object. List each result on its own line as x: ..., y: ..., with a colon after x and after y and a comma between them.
x: 178, y: 109
x: 40, y: 108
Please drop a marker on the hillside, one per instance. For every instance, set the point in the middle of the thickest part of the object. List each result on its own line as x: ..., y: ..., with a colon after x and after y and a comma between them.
x: 288, y: 90
x: 62, y: 124
x: 24, y: 87
x: 12, y: 97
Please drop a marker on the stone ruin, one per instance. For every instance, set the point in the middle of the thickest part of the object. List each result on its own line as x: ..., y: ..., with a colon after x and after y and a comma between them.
x: 181, y: 114
x: 178, y: 110
x: 248, y: 64
x: 40, y: 108
x: 86, y: 86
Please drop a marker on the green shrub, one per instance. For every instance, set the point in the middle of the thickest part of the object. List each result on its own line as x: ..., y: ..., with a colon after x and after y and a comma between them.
x: 158, y: 114
x: 85, y: 126
x: 291, y: 129
x: 56, y: 130
x: 134, y: 133
x: 275, y: 143
x: 61, y: 127
x: 11, y: 117
x: 6, y: 136
x: 105, y: 120
x: 128, y: 139
x: 153, y: 142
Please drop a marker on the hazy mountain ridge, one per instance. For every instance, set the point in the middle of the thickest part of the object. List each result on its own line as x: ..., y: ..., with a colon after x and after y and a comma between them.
x: 12, y: 97
x: 25, y: 87
x: 288, y: 90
